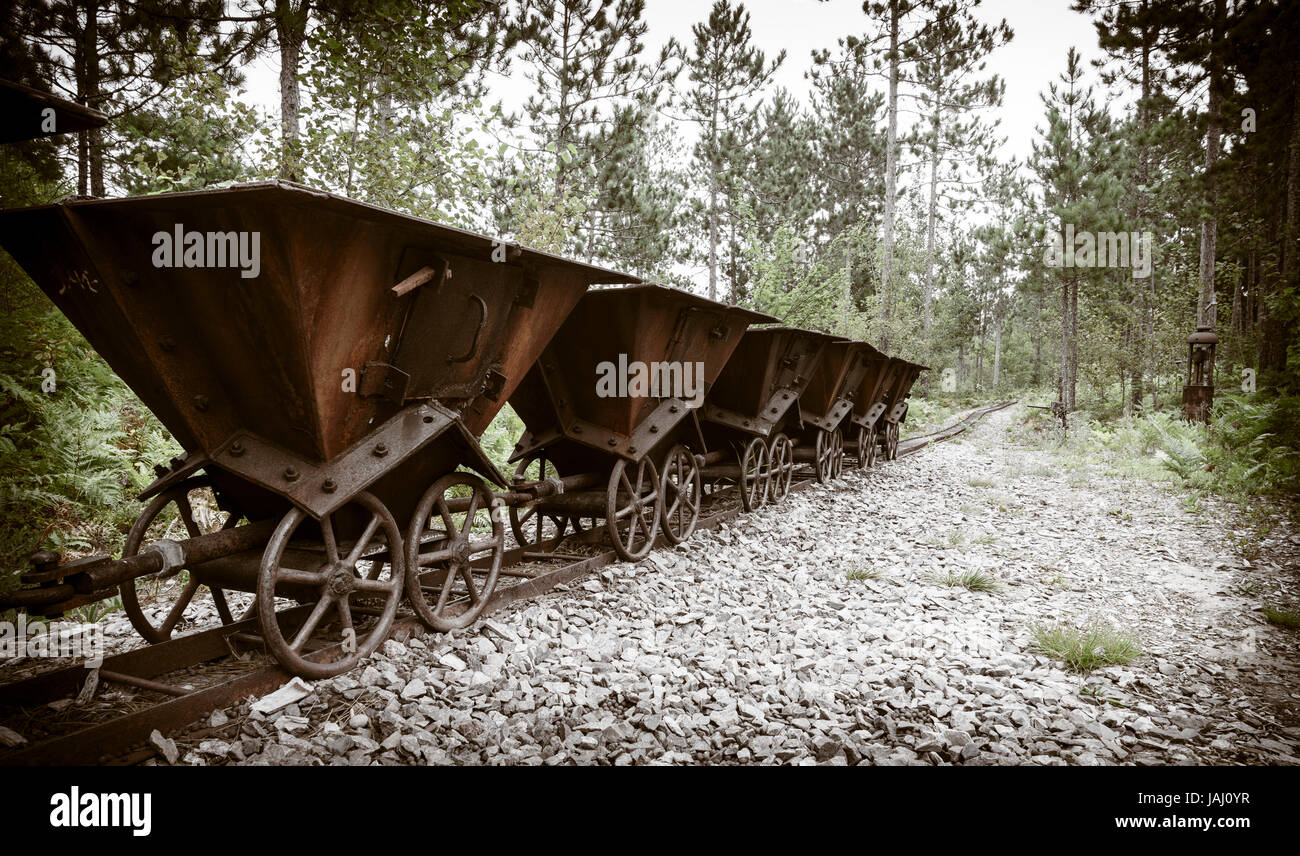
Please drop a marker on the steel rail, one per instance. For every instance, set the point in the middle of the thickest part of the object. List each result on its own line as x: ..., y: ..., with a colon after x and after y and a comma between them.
x: 119, y: 738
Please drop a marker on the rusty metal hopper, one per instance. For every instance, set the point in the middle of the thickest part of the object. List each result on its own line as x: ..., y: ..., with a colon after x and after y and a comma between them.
x: 867, y: 400
x: 902, y: 375
x: 830, y: 393
x: 765, y: 377
x: 621, y: 334
x: 296, y: 320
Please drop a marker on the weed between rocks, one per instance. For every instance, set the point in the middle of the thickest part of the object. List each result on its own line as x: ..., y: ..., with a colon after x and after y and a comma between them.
x: 1086, y: 648
x: 972, y: 580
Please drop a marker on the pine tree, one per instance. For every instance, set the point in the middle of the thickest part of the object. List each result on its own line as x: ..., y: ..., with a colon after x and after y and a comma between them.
x: 727, y: 74
x: 958, y: 146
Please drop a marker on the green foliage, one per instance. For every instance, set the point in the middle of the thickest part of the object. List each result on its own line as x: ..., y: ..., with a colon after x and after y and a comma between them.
x: 1087, y: 647
x: 1282, y: 617
x: 72, y: 458
x: 193, y: 139
x: 970, y: 580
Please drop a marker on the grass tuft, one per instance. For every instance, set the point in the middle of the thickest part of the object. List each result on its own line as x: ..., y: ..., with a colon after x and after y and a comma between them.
x: 972, y: 580
x: 1282, y: 617
x: 863, y: 574
x: 1086, y: 648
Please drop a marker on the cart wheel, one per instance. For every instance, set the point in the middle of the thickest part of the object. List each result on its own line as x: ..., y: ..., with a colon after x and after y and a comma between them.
x: 152, y: 587
x: 444, y: 587
x: 682, y: 491
x: 780, y: 456
x: 837, y: 453
x: 754, y: 474
x: 529, y: 526
x: 632, y: 509
x: 891, y: 441
x: 866, y: 448
x: 345, y: 580
x: 824, y: 457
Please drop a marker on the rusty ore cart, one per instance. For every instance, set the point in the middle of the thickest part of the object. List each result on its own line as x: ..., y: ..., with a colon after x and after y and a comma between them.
x: 859, y: 426
x: 326, y: 366
x: 901, y: 375
x: 750, y: 406
x: 624, y: 455
x: 826, y: 400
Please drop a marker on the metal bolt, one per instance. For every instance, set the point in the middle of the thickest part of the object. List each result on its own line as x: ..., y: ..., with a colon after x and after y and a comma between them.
x: 381, y: 450
x: 632, y: 449
x: 613, y: 441
x: 654, y: 429
x: 201, y: 403
x: 167, y: 343
x: 328, y: 486
x: 673, y: 408
x: 236, y: 448
x: 290, y: 474
x: 577, y: 429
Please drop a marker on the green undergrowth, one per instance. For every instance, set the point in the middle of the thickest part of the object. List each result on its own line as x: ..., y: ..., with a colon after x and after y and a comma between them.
x: 1251, y: 447
x: 1087, y: 647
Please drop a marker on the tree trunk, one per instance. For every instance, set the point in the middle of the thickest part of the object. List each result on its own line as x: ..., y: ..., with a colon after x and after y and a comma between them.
x: 891, y: 167
x: 713, y: 236
x: 1074, y: 343
x: 1274, y: 335
x: 929, y: 228
x: 997, y: 351
x: 714, y: 166
x: 1208, y: 312
x: 290, y: 31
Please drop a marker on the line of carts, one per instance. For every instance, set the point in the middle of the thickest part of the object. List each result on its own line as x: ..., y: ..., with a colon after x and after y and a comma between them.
x: 331, y: 408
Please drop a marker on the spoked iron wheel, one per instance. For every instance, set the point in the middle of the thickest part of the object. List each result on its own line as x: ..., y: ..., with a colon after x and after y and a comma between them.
x: 196, y: 514
x: 632, y: 502
x: 780, y: 456
x: 825, y: 455
x: 866, y: 448
x: 362, y: 577
x: 682, y: 491
x: 753, y: 474
x: 443, y: 546
x: 531, y: 527
x: 837, y: 453
x: 891, y: 441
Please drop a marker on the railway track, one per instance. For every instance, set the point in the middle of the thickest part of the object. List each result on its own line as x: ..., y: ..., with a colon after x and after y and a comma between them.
x: 178, y: 682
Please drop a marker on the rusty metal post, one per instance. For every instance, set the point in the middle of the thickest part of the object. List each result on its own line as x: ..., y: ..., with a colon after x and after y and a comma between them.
x: 1198, y: 393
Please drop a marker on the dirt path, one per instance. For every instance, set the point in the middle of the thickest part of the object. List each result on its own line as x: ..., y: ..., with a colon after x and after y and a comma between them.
x: 821, y: 632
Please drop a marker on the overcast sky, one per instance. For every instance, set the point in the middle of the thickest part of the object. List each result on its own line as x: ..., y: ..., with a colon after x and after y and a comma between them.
x: 1044, y: 30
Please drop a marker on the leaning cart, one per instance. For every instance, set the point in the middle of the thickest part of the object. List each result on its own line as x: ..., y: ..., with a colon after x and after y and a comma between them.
x: 326, y: 365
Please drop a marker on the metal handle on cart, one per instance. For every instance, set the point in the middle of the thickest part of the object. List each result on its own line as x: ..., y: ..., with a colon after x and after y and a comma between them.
x: 482, y: 322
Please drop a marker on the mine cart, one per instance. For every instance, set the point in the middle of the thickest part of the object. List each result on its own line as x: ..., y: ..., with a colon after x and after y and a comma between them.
x: 751, y: 411
x: 900, y: 375
x: 826, y: 401
x: 859, y: 426
x: 326, y: 365
x: 29, y: 114
x: 611, y: 410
